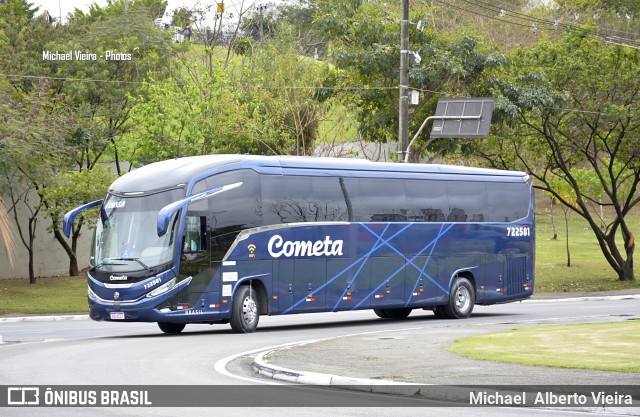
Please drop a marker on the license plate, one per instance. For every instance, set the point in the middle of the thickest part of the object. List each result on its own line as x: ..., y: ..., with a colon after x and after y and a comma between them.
x: 117, y: 315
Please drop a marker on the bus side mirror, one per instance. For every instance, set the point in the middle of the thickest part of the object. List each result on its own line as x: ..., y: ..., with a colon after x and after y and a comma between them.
x: 67, y: 221
x: 165, y: 214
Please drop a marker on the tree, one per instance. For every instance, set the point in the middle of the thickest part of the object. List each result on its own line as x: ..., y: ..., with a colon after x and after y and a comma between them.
x: 182, y: 17
x: 32, y: 131
x: 32, y: 126
x: 565, y: 190
x: 68, y: 190
x: 287, y: 103
x: 102, y: 93
x: 187, y: 117
x: 267, y: 105
x: 6, y: 234
x: 366, y: 47
x: 572, y: 105
x: 300, y: 15
x: 77, y: 116
x: 149, y: 9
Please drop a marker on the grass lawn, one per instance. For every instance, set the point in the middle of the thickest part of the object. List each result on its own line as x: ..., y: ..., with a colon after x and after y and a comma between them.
x: 589, y: 271
x: 48, y: 295
x: 601, y: 346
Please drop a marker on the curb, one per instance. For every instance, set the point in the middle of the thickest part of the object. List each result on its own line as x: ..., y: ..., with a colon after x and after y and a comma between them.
x: 453, y: 394
x: 375, y: 386
x: 592, y: 298
x: 43, y: 318
x: 459, y: 395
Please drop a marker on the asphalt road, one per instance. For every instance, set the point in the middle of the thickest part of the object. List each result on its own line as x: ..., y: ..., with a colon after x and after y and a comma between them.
x: 92, y: 353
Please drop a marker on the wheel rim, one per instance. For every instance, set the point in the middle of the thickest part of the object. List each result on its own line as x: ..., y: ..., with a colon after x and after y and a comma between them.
x: 249, y: 310
x: 463, y: 299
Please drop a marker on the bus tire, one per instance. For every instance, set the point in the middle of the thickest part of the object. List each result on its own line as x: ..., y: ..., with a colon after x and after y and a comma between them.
x: 461, y: 299
x: 381, y: 313
x: 245, y: 310
x: 398, y: 313
x: 171, y: 328
x: 439, y: 312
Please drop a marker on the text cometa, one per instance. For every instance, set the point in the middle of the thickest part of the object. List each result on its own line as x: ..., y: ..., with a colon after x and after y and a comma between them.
x: 279, y: 247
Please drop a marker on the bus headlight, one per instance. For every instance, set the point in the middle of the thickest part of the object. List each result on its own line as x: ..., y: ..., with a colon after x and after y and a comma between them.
x: 163, y: 288
x: 92, y: 295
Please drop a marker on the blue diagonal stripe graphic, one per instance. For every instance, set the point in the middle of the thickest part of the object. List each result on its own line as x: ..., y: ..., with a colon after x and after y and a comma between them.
x: 422, y: 271
x: 361, y: 259
x: 432, y: 243
x: 376, y: 246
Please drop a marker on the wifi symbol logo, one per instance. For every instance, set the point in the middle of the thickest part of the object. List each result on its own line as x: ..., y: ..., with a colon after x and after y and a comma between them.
x: 252, y: 249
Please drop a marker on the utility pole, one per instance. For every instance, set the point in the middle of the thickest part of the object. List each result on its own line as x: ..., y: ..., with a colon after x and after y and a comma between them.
x: 262, y: 8
x: 126, y: 6
x: 403, y: 119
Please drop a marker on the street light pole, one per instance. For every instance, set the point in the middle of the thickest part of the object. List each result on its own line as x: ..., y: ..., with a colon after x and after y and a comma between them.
x: 403, y: 119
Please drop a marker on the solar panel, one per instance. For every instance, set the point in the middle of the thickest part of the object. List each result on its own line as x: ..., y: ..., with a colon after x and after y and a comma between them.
x: 462, y: 118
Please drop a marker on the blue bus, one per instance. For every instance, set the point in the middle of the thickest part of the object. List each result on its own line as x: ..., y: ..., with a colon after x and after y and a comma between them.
x: 228, y: 238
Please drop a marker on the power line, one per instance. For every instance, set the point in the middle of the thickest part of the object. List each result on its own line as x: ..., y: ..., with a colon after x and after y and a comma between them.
x: 49, y: 77
x: 504, y: 15
x: 555, y: 22
x: 295, y: 87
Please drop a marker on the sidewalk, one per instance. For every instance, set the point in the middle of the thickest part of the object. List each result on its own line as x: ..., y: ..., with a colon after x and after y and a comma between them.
x: 387, y: 360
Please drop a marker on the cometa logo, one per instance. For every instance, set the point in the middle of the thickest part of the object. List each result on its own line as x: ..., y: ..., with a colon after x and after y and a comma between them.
x: 252, y: 249
x: 279, y: 247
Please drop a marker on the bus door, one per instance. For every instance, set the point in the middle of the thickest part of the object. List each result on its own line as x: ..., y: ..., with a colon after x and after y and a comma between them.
x: 196, y: 262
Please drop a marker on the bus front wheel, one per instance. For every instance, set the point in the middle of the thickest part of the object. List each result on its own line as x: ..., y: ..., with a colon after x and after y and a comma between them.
x: 171, y: 328
x: 461, y: 300
x: 245, y: 310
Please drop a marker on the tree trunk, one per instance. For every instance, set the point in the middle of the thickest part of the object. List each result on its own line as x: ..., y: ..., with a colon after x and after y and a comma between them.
x: 32, y: 236
x: 566, y: 224
x: 553, y: 221
x: 627, y: 267
x: 73, y: 259
x: 28, y: 243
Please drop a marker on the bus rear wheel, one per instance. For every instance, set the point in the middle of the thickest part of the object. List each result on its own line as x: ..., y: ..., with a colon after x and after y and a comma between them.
x: 245, y: 310
x: 393, y: 313
x: 381, y: 313
x: 461, y: 300
x: 439, y: 312
x: 171, y: 328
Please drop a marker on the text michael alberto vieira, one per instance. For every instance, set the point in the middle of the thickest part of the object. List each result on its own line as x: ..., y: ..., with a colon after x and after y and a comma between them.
x: 84, y: 56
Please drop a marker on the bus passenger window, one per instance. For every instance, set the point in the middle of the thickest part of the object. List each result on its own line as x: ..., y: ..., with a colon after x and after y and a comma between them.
x: 194, y: 239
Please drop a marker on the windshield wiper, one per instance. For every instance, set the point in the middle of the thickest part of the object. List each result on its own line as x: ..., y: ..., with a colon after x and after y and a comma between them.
x: 131, y: 260
x: 93, y: 268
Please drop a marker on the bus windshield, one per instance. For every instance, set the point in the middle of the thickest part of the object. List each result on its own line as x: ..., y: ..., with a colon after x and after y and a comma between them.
x: 127, y: 239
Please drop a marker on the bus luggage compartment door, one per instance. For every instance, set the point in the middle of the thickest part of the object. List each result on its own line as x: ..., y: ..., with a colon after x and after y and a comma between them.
x: 309, y: 289
x: 300, y: 285
x: 387, y: 282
